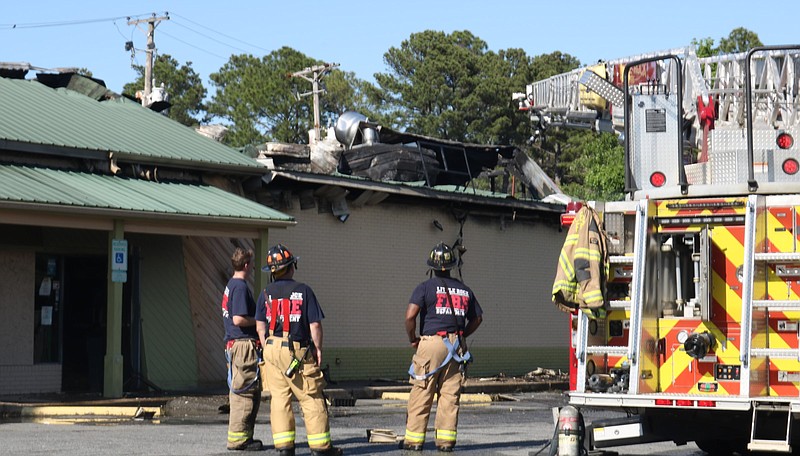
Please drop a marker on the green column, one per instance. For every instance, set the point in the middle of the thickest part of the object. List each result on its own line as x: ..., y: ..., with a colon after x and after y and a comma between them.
x: 112, y: 379
x: 260, y: 279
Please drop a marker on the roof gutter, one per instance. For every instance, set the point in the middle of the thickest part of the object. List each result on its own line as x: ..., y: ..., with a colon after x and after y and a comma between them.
x: 406, y: 190
x: 98, y: 217
x: 96, y: 154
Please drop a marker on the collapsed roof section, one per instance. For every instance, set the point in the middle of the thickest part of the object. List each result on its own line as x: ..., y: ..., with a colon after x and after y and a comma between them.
x: 359, y: 148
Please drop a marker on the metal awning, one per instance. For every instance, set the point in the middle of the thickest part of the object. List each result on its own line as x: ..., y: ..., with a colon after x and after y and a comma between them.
x: 50, y: 197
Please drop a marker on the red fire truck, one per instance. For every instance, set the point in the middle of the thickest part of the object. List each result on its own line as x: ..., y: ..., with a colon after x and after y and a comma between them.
x: 701, y: 339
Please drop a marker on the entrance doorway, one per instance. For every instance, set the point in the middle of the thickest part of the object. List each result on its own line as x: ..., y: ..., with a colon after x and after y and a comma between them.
x: 84, y: 323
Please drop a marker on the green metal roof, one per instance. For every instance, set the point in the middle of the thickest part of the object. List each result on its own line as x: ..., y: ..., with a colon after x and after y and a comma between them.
x: 45, y: 188
x: 35, y: 114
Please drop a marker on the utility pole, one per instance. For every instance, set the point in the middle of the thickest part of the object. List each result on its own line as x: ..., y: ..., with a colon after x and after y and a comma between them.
x: 152, y: 22
x: 317, y: 72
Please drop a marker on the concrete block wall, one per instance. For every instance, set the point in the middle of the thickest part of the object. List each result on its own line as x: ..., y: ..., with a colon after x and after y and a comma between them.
x: 364, y: 270
x: 30, y: 378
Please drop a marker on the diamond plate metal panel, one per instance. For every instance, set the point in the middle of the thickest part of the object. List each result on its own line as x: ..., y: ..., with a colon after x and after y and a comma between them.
x: 728, y: 158
x: 698, y: 173
x: 658, y: 149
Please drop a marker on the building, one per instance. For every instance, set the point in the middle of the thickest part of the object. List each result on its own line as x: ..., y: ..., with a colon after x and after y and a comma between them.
x: 116, y: 225
x: 363, y: 239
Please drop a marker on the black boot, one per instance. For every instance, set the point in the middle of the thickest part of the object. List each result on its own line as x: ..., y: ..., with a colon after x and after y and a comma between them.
x: 286, y: 452
x: 250, y: 445
x: 332, y: 451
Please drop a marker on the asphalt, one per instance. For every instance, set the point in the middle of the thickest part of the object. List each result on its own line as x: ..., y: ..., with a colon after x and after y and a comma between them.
x: 213, y: 402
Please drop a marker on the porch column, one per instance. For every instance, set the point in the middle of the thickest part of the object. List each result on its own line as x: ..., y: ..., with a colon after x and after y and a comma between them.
x: 112, y: 378
x: 260, y: 279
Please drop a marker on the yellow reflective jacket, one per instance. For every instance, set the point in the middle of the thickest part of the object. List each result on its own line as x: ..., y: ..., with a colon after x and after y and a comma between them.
x: 583, y: 265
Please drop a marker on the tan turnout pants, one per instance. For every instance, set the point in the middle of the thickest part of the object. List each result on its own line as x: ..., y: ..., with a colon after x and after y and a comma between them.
x: 243, y: 357
x: 306, y: 385
x: 447, y: 383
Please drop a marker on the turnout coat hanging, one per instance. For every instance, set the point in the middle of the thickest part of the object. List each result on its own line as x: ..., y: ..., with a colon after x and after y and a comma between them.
x: 580, y: 281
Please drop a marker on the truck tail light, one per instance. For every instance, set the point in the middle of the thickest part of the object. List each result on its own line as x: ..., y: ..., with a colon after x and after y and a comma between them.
x: 785, y: 140
x: 658, y: 179
x: 790, y: 166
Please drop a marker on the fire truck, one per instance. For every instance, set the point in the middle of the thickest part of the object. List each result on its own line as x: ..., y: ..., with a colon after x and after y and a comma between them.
x: 700, y: 341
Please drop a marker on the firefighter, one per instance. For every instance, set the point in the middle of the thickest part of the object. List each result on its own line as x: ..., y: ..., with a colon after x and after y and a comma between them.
x: 290, y: 329
x: 448, y: 312
x: 242, y: 350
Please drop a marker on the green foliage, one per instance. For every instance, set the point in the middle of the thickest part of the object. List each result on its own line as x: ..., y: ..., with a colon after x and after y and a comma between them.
x: 597, y: 172
x: 261, y: 101
x: 739, y: 40
x: 704, y: 47
x: 185, y: 89
x: 546, y: 65
x: 450, y: 86
x: 255, y: 96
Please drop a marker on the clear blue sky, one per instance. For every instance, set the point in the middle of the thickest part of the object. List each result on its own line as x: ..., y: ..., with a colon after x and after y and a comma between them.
x: 357, y: 33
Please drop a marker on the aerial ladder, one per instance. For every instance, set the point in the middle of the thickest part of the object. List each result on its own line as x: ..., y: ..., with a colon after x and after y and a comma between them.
x: 701, y: 338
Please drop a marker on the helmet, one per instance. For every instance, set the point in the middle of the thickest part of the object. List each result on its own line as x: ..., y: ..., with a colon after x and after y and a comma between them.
x: 278, y: 257
x: 442, y: 257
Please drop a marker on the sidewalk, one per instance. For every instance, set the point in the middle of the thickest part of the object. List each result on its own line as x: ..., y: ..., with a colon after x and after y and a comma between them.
x: 155, y: 405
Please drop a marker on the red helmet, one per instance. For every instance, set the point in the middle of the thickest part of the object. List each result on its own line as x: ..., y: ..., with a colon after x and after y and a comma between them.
x: 278, y: 257
x: 442, y: 257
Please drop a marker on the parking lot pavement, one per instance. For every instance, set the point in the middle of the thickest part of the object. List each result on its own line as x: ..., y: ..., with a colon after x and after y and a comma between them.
x: 520, y: 425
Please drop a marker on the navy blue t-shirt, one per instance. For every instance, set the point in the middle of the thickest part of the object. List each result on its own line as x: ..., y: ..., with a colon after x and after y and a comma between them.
x: 436, y: 314
x: 238, y: 300
x: 303, y: 306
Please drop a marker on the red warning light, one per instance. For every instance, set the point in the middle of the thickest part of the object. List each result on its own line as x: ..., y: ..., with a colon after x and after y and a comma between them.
x: 658, y: 179
x: 785, y: 140
x: 790, y: 166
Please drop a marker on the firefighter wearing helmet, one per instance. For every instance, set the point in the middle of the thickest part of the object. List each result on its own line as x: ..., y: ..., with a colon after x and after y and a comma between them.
x: 448, y: 312
x: 289, y: 324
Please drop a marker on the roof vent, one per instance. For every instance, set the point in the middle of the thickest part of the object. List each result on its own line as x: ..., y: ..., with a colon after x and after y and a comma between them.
x: 353, y: 128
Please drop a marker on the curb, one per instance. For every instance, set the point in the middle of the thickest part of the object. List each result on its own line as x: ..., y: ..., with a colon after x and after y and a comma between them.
x: 465, y: 398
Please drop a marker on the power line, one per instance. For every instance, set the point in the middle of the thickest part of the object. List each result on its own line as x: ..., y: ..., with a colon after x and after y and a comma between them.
x: 209, y: 38
x: 220, y: 33
x: 64, y: 23
x: 192, y: 45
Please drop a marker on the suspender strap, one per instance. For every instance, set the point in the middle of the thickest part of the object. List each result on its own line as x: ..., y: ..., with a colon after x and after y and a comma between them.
x: 230, y: 374
x: 286, y: 304
x: 452, y: 354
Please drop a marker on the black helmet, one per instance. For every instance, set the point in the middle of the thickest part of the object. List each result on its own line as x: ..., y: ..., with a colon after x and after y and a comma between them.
x: 442, y: 257
x: 278, y: 257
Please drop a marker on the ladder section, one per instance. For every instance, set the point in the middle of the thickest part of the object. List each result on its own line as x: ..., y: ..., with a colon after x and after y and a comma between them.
x: 592, y: 344
x: 778, y: 269
x: 771, y: 427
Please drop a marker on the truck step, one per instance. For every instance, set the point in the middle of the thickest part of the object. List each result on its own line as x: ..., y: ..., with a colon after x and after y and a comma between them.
x: 607, y: 349
x: 784, y: 353
x: 774, y: 446
x: 795, y: 304
x: 778, y: 257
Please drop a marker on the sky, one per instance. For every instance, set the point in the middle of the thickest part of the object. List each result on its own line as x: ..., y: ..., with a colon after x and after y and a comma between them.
x: 356, y: 34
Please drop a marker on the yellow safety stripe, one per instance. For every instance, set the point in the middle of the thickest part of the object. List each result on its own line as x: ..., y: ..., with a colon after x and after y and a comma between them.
x: 319, y: 440
x: 593, y: 296
x: 565, y: 285
x: 442, y: 434
x: 283, y: 437
x: 415, y: 437
x: 566, y: 265
x: 235, y: 437
x: 587, y: 254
